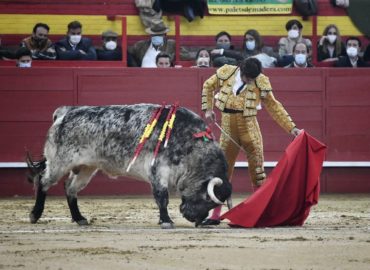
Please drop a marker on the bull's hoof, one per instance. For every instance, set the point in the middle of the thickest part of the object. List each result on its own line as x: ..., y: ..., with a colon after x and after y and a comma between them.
x: 167, y: 225
x: 33, y: 218
x: 210, y: 222
x: 82, y: 222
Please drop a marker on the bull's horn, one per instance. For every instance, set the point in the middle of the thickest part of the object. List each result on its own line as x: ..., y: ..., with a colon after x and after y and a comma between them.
x: 29, y: 162
x: 210, y: 189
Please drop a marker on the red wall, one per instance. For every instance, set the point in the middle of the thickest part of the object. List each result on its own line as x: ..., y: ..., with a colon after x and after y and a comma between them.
x: 331, y: 104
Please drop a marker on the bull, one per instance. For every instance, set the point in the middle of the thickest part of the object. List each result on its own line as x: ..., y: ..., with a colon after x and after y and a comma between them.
x: 85, y: 139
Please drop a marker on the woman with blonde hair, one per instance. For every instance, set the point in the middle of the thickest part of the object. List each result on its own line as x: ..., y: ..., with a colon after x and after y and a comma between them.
x: 330, y: 46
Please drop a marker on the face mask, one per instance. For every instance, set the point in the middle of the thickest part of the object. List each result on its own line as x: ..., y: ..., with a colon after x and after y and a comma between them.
x: 111, y: 45
x: 250, y: 45
x: 293, y: 33
x: 332, y: 38
x: 24, y: 65
x: 352, y: 52
x: 157, y: 40
x: 224, y: 46
x: 75, y: 39
x: 300, y: 59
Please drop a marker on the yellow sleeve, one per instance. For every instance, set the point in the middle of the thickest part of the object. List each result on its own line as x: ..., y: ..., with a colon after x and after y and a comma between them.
x: 277, y: 112
x: 208, y: 91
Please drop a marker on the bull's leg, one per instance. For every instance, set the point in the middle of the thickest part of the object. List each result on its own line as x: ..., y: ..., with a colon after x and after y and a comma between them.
x: 44, y: 182
x: 161, y: 198
x: 75, y: 183
x: 40, y: 202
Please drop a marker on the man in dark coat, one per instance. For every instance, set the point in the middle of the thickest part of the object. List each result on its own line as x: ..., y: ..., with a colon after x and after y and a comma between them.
x: 74, y: 46
x: 352, y: 59
x: 110, y: 50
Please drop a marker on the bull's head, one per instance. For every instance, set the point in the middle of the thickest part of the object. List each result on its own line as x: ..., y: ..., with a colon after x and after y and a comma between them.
x: 214, y: 193
x: 36, y: 168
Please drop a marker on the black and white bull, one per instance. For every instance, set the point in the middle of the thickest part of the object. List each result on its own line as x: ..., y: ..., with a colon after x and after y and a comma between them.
x: 83, y: 140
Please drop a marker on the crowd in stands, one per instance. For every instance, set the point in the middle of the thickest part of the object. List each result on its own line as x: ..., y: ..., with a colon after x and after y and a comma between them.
x: 292, y: 51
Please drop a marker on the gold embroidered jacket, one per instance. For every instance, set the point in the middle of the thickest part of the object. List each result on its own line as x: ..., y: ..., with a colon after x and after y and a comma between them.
x: 248, y: 100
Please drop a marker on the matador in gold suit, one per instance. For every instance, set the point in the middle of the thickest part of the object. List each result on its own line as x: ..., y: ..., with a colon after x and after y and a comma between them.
x: 242, y: 90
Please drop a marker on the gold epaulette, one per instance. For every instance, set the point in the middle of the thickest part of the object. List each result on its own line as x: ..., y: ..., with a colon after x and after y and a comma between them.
x: 263, y: 83
x: 225, y: 72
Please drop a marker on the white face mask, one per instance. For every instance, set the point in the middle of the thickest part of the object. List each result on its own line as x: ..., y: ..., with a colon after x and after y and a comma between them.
x: 332, y: 38
x: 75, y: 39
x: 293, y: 33
x: 111, y: 45
x: 300, y: 59
x: 352, y: 52
x: 157, y: 40
x: 24, y: 65
x: 251, y: 44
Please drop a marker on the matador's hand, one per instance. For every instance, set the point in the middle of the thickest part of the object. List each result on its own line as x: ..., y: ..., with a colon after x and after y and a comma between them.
x: 210, y: 116
x: 295, y: 131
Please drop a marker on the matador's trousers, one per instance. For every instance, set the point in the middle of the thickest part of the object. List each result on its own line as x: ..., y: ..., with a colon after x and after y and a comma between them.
x: 246, y: 132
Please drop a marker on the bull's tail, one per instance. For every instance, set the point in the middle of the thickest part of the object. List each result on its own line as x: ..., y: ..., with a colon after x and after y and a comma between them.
x: 36, y: 169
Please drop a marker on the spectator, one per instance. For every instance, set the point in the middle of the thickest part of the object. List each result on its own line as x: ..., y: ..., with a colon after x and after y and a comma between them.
x: 352, y: 58
x: 224, y: 52
x: 286, y: 44
x: 24, y: 58
x: 203, y: 62
x: 202, y: 58
x: 38, y: 43
x: 330, y: 45
x: 300, y: 54
x: 110, y: 50
x: 367, y: 53
x: 144, y: 52
x: 74, y: 46
x: 5, y: 54
x: 163, y: 60
x: 253, y: 47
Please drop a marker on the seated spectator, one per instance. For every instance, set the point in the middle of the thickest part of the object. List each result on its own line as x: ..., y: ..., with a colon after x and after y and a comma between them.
x: 352, y: 59
x: 330, y: 45
x: 110, y: 51
x: 203, y: 62
x: 253, y: 47
x: 202, y: 58
x: 24, y: 58
x: 224, y: 52
x: 38, y: 43
x: 367, y: 54
x: 286, y: 44
x: 144, y: 52
x: 300, y: 54
x: 74, y: 46
x: 5, y: 54
x: 163, y: 60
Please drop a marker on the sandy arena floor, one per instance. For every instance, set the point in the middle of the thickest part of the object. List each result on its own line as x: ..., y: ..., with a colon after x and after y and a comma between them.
x: 124, y: 235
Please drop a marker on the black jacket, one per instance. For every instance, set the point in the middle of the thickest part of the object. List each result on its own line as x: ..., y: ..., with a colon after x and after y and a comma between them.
x: 74, y: 53
x: 345, y: 62
x: 109, y: 55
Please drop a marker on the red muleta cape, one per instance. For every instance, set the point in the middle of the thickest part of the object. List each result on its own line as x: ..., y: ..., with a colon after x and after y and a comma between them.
x: 291, y: 189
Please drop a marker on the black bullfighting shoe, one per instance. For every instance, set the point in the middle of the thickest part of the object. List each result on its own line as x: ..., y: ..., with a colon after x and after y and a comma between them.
x: 209, y: 222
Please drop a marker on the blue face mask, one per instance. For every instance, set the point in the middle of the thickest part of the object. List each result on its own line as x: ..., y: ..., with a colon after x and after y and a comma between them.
x: 224, y: 46
x: 157, y: 40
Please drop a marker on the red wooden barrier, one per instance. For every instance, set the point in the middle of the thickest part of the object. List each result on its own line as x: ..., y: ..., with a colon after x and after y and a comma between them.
x: 331, y: 104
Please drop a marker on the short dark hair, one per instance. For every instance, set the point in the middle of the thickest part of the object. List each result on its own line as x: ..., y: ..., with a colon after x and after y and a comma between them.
x: 223, y: 33
x: 295, y: 45
x: 22, y: 51
x: 43, y: 25
x: 290, y: 24
x: 74, y: 25
x: 162, y: 55
x: 354, y: 38
x: 250, y: 67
